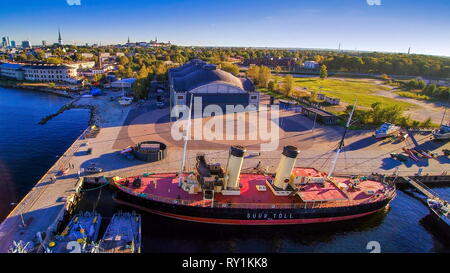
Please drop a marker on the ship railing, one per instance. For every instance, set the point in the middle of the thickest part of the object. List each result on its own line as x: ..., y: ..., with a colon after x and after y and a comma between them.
x: 296, y: 205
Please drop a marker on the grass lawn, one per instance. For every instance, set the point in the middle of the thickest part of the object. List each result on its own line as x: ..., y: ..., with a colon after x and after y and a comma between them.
x: 348, y: 90
x: 413, y: 95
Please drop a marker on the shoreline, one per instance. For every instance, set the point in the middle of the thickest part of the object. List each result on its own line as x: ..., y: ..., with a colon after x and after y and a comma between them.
x: 93, y: 110
x: 48, y: 90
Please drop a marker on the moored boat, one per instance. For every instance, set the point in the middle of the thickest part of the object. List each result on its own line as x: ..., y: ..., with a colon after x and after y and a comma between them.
x: 386, y: 130
x: 78, y: 236
x: 292, y: 195
x: 123, y: 234
x: 442, y: 133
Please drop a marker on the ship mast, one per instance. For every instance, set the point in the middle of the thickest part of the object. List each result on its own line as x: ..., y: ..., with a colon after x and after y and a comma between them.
x: 445, y: 111
x: 186, y: 135
x: 341, y: 144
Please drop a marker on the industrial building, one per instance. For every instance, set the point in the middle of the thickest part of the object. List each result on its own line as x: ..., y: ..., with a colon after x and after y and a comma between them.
x: 212, y: 84
x: 320, y: 115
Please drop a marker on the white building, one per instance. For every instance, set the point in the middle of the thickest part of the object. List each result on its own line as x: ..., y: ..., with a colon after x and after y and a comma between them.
x: 82, y: 65
x: 330, y: 100
x: 123, y: 83
x: 13, y: 71
x: 311, y: 65
x: 49, y: 73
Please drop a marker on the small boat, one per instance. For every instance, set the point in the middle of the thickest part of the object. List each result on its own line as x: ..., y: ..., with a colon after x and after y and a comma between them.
x: 78, y: 236
x: 386, y: 130
x: 439, y: 210
x: 123, y: 235
x: 442, y: 133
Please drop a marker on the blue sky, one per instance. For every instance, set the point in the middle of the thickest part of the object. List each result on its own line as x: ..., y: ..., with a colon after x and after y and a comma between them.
x: 392, y: 26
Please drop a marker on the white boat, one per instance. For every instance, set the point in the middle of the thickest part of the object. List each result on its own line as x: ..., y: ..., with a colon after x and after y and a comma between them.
x: 442, y: 133
x: 386, y: 130
x: 124, y: 101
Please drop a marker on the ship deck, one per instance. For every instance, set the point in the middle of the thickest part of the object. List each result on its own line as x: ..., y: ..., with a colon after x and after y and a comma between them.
x: 164, y: 187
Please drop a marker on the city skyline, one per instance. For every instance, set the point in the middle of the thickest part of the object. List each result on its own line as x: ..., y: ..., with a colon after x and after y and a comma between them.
x: 352, y: 25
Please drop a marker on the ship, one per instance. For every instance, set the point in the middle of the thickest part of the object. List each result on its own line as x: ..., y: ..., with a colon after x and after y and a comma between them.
x: 123, y: 234
x: 386, y: 130
x: 443, y: 133
x: 78, y: 236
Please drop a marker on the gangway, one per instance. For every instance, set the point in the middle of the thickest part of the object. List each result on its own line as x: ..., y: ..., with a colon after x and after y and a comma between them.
x: 421, y: 187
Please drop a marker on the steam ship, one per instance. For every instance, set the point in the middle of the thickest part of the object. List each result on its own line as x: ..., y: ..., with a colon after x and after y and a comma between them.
x: 292, y: 195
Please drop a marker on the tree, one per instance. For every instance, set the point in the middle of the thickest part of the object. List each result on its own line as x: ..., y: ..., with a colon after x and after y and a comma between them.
x: 231, y: 68
x: 253, y: 73
x: 289, y: 85
x: 323, y: 72
x: 264, y: 76
x: 271, y: 86
x: 140, y: 88
x: 277, y: 69
x: 426, y: 123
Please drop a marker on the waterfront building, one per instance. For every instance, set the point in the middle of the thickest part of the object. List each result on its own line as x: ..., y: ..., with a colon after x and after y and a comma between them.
x: 212, y: 84
x: 13, y: 44
x: 49, y: 73
x: 13, y: 71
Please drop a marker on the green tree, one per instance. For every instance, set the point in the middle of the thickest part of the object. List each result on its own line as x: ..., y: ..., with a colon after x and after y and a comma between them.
x: 426, y: 123
x: 231, y: 68
x: 264, y: 76
x: 289, y: 85
x: 323, y: 72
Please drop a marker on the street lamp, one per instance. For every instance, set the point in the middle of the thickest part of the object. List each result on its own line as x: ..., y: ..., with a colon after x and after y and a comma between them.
x: 21, y: 214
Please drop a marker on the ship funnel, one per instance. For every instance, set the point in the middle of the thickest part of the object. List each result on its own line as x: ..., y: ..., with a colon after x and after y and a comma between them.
x: 285, y: 167
x: 234, y: 166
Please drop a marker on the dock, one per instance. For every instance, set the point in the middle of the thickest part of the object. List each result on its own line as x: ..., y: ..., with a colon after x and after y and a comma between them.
x: 56, y: 194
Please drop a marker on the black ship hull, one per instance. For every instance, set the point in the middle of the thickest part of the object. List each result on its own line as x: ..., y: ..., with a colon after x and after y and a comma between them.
x: 247, y: 216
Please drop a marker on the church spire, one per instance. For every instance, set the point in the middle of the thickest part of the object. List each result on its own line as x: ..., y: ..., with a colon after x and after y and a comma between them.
x: 59, y: 37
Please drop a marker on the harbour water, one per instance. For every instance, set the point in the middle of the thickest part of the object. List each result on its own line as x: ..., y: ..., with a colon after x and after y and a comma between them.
x: 28, y: 150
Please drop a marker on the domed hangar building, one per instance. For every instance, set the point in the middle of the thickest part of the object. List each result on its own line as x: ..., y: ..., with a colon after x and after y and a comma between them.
x: 215, y: 86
